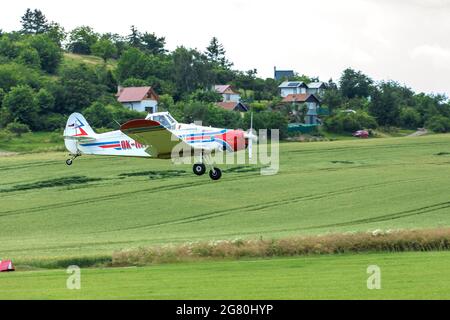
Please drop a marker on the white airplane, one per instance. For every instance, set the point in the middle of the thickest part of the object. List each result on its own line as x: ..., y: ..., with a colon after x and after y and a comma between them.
x: 156, y: 136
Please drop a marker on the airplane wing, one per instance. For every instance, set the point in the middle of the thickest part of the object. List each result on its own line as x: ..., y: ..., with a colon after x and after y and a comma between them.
x: 159, y: 140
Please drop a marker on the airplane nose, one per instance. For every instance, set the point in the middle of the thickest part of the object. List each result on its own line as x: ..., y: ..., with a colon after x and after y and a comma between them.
x: 236, y: 140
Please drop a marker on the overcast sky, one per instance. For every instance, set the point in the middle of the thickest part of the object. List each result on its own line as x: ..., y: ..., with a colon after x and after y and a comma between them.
x: 403, y: 40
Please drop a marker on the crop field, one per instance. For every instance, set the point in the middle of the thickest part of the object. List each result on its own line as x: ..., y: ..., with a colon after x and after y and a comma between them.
x: 52, y: 212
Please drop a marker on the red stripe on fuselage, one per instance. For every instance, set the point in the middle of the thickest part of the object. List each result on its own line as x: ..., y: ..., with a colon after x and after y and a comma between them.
x: 111, y: 146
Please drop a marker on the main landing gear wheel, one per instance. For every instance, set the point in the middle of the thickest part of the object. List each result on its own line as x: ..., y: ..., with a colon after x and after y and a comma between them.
x: 69, y: 162
x: 215, y: 174
x: 199, y: 169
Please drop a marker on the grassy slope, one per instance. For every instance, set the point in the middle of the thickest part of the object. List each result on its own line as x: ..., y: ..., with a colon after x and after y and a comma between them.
x: 71, y: 59
x: 403, y: 276
x: 380, y: 183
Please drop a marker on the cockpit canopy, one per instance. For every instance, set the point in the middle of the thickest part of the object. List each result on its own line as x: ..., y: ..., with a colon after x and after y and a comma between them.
x: 164, y: 118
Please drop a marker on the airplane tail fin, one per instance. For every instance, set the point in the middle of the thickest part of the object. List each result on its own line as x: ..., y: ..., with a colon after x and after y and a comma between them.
x: 77, y: 129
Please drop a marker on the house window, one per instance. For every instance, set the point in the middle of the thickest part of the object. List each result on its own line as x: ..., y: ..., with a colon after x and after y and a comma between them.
x: 149, y: 109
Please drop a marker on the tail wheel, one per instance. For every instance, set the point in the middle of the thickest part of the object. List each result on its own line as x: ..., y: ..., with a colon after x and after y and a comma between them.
x: 69, y: 162
x: 215, y: 174
x: 199, y: 169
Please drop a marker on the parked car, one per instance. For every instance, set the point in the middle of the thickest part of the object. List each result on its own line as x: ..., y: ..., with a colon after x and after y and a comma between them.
x: 363, y: 134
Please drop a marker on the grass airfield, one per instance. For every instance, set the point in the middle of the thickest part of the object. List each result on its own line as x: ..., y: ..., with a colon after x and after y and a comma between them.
x: 50, y: 213
x: 412, y: 275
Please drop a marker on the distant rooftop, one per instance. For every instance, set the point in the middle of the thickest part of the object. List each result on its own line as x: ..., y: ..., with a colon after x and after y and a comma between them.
x: 292, y: 84
x: 283, y: 74
x: 135, y: 94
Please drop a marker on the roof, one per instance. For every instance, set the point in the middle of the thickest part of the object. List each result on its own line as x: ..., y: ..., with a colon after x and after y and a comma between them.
x: 280, y: 74
x: 231, y: 105
x: 292, y: 84
x: 301, y: 97
x: 133, y: 94
x: 315, y: 85
x: 226, y: 88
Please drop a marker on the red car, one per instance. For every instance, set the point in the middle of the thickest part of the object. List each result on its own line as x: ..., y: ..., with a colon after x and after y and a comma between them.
x: 363, y: 134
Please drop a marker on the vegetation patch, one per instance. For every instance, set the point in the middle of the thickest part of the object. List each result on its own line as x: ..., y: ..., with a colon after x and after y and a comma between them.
x: 342, y: 162
x: 153, y: 175
x: 60, y: 182
x: 376, y: 241
x: 443, y: 154
x: 60, y: 263
x: 242, y: 169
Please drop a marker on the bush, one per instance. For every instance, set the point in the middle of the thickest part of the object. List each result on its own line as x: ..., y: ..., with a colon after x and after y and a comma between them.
x: 17, y: 128
x: 410, y: 118
x: 438, y: 124
x: 52, y: 122
x: 350, y: 122
x: 5, y: 136
x: 267, y: 120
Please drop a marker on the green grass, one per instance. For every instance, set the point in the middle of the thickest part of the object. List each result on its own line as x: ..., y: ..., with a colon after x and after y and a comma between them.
x: 403, y: 276
x: 34, y: 142
x: 71, y: 59
x: 321, y: 187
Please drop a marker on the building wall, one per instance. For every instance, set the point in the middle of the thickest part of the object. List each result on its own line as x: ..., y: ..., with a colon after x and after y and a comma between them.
x: 231, y: 97
x: 142, y: 105
x: 287, y: 91
x: 315, y: 91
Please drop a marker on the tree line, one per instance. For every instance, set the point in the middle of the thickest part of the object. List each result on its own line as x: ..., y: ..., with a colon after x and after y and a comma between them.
x: 40, y: 86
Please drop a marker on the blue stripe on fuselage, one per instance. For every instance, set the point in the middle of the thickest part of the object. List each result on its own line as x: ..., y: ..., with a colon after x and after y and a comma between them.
x: 99, y: 144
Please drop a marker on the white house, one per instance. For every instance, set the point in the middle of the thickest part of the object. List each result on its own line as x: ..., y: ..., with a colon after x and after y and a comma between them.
x: 316, y: 88
x: 138, y: 99
x: 298, y: 87
x: 227, y: 92
x: 292, y: 87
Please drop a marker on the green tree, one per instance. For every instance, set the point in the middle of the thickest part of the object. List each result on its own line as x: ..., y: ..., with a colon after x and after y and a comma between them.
x: 385, y: 103
x: 410, y: 118
x: 349, y: 122
x: 190, y: 71
x: 132, y: 64
x: 21, y: 104
x: 134, y: 38
x: 29, y: 56
x: 34, y: 22
x: 152, y: 43
x: 45, y: 101
x: 56, y: 33
x: 82, y: 39
x: 216, y: 53
x: 134, y: 82
x: 50, y: 54
x: 439, y: 124
x: 205, y: 96
x: 98, y: 115
x: 78, y: 88
x: 104, y: 49
x: 14, y: 74
x: 355, y: 84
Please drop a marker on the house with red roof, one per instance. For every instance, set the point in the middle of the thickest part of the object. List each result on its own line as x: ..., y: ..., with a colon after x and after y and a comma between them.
x: 228, y: 93
x: 231, y: 99
x: 312, y: 104
x: 143, y: 99
x: 233, y: 106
